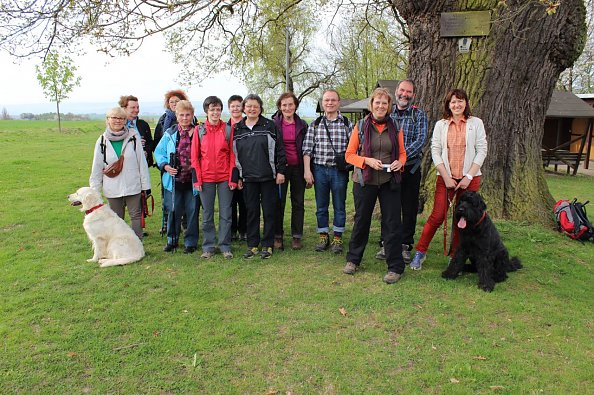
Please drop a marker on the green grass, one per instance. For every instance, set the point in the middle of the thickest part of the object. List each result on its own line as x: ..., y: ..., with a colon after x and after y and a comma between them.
x: 175, y: 324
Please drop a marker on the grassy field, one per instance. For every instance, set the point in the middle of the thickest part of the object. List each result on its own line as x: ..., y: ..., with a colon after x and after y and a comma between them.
x: 175, y: 324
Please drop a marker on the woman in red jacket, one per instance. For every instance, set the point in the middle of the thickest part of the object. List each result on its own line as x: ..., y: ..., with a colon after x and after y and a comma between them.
x: 213, y: 161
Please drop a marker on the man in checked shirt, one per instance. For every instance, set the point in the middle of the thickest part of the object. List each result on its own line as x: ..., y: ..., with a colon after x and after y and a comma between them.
x: 412, y: 122
x: 321, y: 172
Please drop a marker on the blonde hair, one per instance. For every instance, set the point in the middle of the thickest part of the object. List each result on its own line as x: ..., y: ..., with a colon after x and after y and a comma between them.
x: 116, y: 112
x: 184, y: 105
x: 377, y: 93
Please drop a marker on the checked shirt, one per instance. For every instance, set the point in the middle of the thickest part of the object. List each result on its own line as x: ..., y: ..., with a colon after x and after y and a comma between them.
x: 413, y: 123
x: 316, y: 143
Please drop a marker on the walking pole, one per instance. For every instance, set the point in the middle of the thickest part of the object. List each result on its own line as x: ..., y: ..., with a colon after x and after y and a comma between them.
x: 163, y: 213
x: 174, y: 228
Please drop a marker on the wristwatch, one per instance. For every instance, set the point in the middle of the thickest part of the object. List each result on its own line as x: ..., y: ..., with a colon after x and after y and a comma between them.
x: 469, y: 177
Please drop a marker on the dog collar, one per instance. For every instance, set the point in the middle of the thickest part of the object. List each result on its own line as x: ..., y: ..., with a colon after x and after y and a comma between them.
x: 89, y: 211
x: 481, y: 220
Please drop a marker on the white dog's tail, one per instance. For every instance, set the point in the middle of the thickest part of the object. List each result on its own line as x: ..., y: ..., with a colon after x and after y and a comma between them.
x: 118, y: 261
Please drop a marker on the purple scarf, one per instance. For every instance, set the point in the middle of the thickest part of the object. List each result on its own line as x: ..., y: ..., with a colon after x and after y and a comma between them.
x: 184, y: 149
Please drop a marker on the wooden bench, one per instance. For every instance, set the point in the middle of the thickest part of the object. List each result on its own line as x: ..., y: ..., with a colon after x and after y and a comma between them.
x: 560, y: 156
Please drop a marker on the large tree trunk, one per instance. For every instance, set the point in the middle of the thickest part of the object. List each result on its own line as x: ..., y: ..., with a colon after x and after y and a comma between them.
x: 509, y: 76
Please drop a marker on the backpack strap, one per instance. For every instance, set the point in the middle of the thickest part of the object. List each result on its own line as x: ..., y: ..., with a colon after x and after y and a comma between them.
x: 360, y: 133
x: 133, y: 139
x: 228, y: 133
x: 202, y: 131
x: 103, y: 149
x: 412, y: 114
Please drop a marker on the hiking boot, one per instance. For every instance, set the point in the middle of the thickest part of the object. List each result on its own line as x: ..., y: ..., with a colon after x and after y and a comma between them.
x: 336, y: 245
x: 391, y: 277
x: 381, y: 254
x: 234, y: 236
x: 207, y: 255
x: 350, y: 268
x: 323, y: 243
x: 169, y: 248
x: 417, y: 261
x: 296, y: 243
x: 252, y: 252
x: 278, y: 243
x: 266, y: 252
x: 406, y: 256
x: 189, y: 250
x: 243, y: 237
x: 227, y: 255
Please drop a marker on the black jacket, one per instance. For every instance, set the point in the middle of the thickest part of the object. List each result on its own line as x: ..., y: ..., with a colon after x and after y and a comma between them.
x: 159, y: 130
x: 259, y: 152
x: 149, y: 146
x: 300, y: 130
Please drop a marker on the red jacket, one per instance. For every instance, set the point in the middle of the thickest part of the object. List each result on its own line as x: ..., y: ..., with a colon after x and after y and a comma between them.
x: 213, y: 158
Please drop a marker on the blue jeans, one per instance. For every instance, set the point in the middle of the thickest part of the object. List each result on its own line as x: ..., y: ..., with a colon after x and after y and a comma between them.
x: 185, y: 203
x: 329, y: 180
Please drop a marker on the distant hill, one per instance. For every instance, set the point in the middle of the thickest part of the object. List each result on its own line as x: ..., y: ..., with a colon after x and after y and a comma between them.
x: 98, y: 110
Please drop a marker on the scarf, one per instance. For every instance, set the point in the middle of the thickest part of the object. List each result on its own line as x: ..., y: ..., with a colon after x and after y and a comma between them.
x: 170, y: 119
x: 392, y: 133
x: 116, y: 136
x: 184, y: 149
x: 131, y: 124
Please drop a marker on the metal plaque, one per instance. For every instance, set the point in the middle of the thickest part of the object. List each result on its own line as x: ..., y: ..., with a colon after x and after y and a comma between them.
x: 464, y: 24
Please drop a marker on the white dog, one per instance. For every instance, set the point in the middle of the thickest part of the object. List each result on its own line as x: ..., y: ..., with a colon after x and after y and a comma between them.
x: 114, y: 242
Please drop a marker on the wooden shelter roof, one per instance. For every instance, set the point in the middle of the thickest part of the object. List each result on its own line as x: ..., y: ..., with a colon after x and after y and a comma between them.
x: 568, y: 105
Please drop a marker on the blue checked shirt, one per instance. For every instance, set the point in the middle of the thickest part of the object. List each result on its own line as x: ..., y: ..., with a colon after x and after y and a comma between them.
x: 316, y: 144
x: 413, y: 123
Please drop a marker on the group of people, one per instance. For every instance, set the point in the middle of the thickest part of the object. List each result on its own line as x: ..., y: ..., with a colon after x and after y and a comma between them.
x: 250, y: 163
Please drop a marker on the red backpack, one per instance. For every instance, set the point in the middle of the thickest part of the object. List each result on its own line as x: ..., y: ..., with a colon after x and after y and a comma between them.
x: 573, y: 220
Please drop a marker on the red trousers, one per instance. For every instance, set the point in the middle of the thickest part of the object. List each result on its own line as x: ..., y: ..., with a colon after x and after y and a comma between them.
x: 441, y: 204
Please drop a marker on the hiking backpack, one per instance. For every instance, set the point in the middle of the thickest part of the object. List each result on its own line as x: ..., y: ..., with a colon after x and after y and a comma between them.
x: 202, y: 131
x: 103, y: 147
x: 572, y: 220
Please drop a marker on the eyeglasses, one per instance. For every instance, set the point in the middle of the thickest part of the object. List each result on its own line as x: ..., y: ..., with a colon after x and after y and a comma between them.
x: 116, y: 118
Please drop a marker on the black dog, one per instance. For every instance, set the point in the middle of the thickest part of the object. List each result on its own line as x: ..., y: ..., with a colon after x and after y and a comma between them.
x: 479, y: 242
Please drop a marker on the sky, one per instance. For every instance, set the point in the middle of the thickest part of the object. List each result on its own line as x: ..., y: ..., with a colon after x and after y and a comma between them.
x: 147, y: 74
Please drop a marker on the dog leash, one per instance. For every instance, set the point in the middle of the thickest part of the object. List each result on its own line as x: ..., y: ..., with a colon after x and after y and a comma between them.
x: 145, y: 208
x: 450, y: 203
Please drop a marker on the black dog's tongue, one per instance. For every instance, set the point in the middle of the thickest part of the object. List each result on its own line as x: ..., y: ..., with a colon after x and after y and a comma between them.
x: 462, y: 223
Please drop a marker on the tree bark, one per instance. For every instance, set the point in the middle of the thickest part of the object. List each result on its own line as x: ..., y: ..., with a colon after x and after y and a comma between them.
x: 509, y: 77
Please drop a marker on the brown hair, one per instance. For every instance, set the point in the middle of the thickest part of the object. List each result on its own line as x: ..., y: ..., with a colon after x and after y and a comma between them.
x: 125, y: 99
x: 253, y: 96
x: 377, y: 92
x: 181, y: 95
x: 211, y: 100
x: 460, y: 94
x: 287, y: 95
x: 234, y: 98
